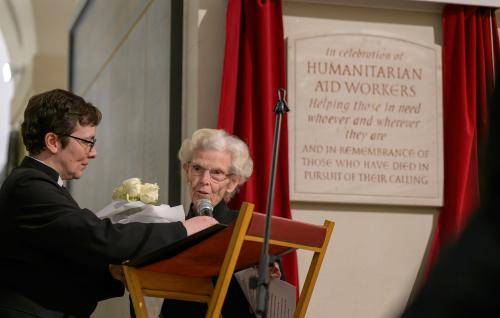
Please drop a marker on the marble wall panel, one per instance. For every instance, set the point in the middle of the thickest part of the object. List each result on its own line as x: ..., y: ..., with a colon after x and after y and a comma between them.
x: 157, y: 92
x: 103, y: 25
x: 132, y: 91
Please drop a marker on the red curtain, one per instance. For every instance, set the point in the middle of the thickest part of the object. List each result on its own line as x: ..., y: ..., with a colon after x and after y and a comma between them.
x: 254, y: 69
x: 470, y: 35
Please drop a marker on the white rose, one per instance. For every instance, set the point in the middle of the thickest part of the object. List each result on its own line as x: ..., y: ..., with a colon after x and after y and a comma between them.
x: 149, y: 193
x: 119, y: 193
x: 132, y: 187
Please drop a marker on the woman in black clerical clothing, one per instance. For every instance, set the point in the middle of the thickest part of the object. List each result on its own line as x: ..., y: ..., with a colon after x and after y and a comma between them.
x: 55, y: 255
x: 215, y: 164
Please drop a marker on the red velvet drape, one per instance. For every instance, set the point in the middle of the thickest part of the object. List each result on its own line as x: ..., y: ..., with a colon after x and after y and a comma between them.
x: 470, y: 36
x: 254, y: 69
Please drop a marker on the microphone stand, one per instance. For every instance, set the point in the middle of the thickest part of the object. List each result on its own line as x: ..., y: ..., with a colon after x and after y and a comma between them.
x: 262, y: 283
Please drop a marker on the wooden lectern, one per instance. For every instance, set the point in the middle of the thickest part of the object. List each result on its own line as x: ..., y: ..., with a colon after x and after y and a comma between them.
x: 188, y: 275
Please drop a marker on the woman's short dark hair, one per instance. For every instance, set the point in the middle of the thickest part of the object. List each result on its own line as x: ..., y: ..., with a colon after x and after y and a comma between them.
x: 57, y: 111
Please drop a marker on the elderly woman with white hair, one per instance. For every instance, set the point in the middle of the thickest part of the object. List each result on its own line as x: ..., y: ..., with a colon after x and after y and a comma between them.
x: 215, y: 164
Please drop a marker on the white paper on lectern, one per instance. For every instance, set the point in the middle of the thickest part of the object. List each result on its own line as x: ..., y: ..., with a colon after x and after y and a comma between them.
x: 282, y: 299
x: 136, y: 211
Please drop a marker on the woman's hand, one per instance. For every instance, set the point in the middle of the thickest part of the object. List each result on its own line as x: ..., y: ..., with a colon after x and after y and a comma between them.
x: 198, y: 223
x: 117, y: 272
x: 274, y: 271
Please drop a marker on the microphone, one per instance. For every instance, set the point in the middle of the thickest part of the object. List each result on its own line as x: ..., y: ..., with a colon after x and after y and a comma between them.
x: 204, y: 207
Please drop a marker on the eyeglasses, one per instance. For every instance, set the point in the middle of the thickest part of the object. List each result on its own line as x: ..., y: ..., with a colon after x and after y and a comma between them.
x: 216, y: 175
x: 87, y: 143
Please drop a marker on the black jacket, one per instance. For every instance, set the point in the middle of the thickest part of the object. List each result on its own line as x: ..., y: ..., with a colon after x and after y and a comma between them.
x: 57, y: 254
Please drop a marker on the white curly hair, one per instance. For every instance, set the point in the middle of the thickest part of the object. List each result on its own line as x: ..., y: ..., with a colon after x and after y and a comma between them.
x: 217, y: 139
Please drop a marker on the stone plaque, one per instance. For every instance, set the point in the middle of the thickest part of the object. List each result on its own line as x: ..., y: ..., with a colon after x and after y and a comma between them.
x: 366, y: 120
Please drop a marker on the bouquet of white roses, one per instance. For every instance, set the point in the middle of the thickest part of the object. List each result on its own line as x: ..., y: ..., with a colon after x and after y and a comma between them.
x: 134, y: 190
x: 134, y: 201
